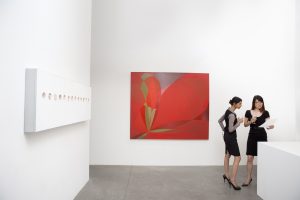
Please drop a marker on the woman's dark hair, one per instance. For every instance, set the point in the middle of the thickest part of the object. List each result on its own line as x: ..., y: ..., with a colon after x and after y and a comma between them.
x: 235, y: 100
x: 259, y: 98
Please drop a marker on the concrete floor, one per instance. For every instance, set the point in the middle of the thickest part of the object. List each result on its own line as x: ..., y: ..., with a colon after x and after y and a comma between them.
x: 163, y: 183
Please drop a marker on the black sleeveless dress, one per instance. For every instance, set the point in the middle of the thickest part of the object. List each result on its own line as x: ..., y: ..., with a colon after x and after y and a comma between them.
x: 231, y: 145
x: 256, y: 133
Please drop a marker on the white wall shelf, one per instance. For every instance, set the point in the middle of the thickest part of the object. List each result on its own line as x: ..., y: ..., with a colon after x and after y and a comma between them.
x: 52, y: 101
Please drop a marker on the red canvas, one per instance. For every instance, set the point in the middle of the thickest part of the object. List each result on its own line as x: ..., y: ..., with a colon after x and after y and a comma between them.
x: 169, y: 105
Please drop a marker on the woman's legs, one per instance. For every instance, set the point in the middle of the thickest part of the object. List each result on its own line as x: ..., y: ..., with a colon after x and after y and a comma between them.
x: 249, y: 168
x: 235, y: 167
x: 226, y: 164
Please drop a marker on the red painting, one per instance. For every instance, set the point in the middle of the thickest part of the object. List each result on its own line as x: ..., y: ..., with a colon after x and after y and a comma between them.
x: 169, y: 105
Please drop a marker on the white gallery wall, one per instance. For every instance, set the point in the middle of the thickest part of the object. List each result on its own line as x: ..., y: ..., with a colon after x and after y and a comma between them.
x: 297, y: 66
x: 247, y: 47
x: 54, y: 36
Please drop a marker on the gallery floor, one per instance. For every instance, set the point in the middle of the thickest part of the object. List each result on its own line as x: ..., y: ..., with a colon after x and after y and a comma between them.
x: 163, y: 183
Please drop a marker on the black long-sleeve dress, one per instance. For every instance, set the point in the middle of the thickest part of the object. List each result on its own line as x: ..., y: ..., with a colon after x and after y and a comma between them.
x: 230, y: 137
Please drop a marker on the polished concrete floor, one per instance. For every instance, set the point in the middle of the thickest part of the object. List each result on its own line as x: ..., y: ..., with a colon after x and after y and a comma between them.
x: 163, y: 183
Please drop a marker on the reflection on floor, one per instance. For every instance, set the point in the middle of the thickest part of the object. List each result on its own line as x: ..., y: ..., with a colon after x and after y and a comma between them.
x: 163, y: 183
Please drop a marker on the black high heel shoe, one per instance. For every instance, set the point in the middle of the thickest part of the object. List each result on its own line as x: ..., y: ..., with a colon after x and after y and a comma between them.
x: 235, y: 187
x: 225, y: 178
x: 245, y: 184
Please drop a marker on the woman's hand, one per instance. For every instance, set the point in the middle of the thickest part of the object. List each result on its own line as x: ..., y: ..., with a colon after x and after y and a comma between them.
x: 240, y: 120
x: 253, y: 120
x: 270, y: 127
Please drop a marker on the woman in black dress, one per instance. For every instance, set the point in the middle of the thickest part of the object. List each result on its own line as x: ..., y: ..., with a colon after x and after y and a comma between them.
x: 231, y: 145
x: 255, y: 118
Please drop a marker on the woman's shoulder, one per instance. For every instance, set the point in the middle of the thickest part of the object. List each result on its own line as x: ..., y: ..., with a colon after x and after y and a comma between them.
x: 248, y: 114
x: 228, y: 110
x: 266, y: 112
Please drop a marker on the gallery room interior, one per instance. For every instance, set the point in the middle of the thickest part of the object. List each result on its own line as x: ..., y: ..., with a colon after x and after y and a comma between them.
x: 113, y: 99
